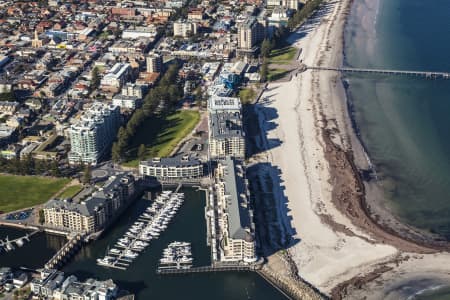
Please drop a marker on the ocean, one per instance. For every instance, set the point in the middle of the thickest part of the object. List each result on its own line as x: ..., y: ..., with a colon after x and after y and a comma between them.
x: 404, y: 122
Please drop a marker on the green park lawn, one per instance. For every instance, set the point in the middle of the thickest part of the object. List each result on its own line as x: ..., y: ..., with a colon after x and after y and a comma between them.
x: 18, y: 192
x: 70, y: 191
x: 161, y: 134
x: 282, y: 55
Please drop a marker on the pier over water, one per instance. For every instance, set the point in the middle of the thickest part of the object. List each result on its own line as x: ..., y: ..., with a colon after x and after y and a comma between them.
x: 204, y: 269
x: 423, y: 74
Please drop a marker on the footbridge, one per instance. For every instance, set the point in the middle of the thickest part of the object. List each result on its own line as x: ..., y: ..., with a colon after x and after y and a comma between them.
x: 63, y: 255
x: 424, y: 74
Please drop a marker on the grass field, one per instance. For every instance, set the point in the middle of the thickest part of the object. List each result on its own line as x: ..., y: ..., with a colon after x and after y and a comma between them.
x: 18, y: 192
x: 70, y: 191
x: 275, y: 74
x: 282, y: 55
x: 161, y: 134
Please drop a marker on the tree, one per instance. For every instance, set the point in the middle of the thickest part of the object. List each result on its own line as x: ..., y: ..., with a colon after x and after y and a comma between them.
x: 116, y: 152
x: 123, y: 135
x: 87, y: 174
x: 174, y: 93
x: 54, y: 168
x: 39, y: 167
x: 142, y: 152
x: 41, y: 216
x: 95, y: 78
x: 247, y: 95
x: 266, y: 47
x: 29, y: 164
x: 264, y: 70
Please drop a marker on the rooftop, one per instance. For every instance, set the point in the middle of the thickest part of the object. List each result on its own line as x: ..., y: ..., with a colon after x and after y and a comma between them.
x: 226, y: 124
x: 177, y: 161
x: 239, y: 222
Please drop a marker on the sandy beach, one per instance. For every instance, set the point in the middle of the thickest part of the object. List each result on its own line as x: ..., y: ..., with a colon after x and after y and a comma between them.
x: 308, y: 138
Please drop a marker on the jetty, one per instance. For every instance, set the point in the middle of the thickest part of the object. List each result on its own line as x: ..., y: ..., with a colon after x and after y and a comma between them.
x: 8, y: 244
x: 422, y: 74
x: 63, y: 255
x: 212, y: 268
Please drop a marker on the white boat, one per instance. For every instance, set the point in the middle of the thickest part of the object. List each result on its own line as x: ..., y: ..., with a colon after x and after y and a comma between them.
x: 167, y: 260
x: 130, y: 254
x: 134, y: 232
x: 114, y: 251
x: 185, y: 259
x: 106, y: 261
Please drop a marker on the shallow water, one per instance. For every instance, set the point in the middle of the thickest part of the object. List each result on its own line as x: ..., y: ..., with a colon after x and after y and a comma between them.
x: 404, y: 122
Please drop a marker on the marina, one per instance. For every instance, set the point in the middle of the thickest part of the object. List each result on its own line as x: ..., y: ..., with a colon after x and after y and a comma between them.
x: 9, y: 245
x: 149, y: 226
x: 141, y: 277
x: 176, y: 256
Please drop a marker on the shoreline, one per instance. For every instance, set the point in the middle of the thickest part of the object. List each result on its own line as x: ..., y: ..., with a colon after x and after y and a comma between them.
x: 371, y: 202
x: 321, y: 167
x: 359, y: 160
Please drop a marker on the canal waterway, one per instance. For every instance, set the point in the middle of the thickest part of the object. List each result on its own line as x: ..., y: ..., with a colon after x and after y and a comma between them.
x: 140, y: 278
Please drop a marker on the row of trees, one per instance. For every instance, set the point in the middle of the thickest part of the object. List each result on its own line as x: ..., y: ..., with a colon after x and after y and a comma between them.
x: 266, y: 47
x: 280, y: 33
x: 303, y: 13
x: 30, y: 166
x: 165, y: 95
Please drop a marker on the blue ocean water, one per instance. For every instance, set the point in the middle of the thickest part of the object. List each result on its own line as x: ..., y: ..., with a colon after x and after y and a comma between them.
x: 404, y: 122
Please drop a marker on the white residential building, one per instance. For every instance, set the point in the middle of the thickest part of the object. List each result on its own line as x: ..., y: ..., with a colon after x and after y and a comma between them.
x: 92, y: 135
x: 127, y: 102
x: 116, y: 77
x: 139, y: 32
x: 171, y: 168
x: 291, y: 4
x: 235, y: 216
x: 184, y: 28
x: 154, y: 63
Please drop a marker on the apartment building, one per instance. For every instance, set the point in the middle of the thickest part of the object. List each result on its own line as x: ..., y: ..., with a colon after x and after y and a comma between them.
x: 226, y: 135
x: 52, y: 284
x: 171, y: 168
x: 116, y: 77
x: 154, y: 63
x: 235, y: 216
x: 250, y: 33
x: 184, y: 28
x: 127, y: 102
x: 133, y: 89
x: 80, y: 217
x: 291, y: 4
x: 92, y: 214
x: 139, y: 32
x: 94, y: 132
